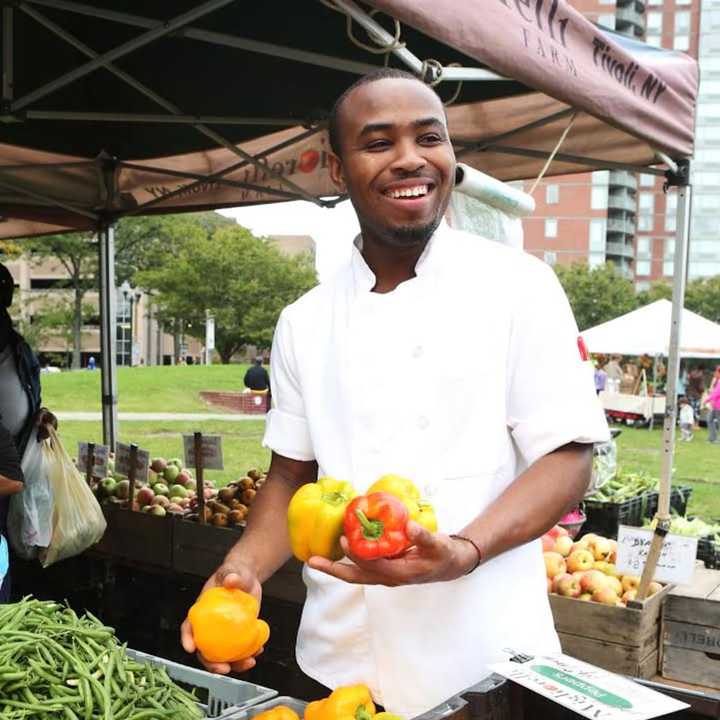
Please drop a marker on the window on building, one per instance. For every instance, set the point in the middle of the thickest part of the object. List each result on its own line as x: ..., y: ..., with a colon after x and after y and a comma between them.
x: 654, y: 23
x: 599, y: 198
x: 642, y: 285
x: 552, y: 194
x: 550, y: 257
x: 668, y: 268
x: 709, y: 87
x: 596, y: 260
x: 598, y: 235
x: 670, y: 222
x: 654, y: 40
x: 607, y: 21
x: 646, y: 203
x: 642, y: 267
x: 669, y: 249
x: 600, y: 177
x: 709, y: 110
x: 682, y: 22
x: 683, y: 2
x: 655, y: 2
x: 644, y: 245
x: 647, y: 180
x: 681, y: 42
x: 645, y: 223
x: 551, y: 227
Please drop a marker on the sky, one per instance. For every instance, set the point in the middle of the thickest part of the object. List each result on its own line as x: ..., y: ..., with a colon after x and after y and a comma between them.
x: 332, y: 229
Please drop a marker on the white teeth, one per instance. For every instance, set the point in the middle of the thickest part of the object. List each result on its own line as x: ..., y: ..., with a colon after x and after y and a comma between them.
x: 409, y: 192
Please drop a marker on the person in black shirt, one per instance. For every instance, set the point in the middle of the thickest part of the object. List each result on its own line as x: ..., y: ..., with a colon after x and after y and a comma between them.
x: 257, y: 378
x: 11, y: 482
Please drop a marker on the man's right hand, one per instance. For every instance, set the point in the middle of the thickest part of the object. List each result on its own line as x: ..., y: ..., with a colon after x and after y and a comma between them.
x: 230, y: 575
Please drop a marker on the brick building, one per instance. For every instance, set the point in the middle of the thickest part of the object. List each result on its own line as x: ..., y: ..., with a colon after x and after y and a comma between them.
x: 619, y: 216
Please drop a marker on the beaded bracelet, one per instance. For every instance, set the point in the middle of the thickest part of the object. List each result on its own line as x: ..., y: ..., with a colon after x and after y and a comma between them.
x: 477, y: 550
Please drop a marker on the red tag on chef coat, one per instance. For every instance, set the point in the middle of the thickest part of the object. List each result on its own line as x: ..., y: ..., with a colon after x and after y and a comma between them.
x: 582, y: 348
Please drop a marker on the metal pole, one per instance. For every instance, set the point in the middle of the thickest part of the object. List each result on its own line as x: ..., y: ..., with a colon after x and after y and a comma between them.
x: 7, y: 73
x: 678, y: 300
x: 108, y: 325
x: 126, y: 48
x: 111, y: 117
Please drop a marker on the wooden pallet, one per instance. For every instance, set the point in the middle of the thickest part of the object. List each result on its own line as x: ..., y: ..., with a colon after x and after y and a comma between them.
x: 691, y: 631
x: 619, y: 639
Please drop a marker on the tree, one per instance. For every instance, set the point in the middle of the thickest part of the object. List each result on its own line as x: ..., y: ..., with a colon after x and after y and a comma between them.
x: 596, y: 295
x: 77, y: 253
x: 659, y: 290
x: 239, y: 278
x: 703, y: 297
x: 143, y: 242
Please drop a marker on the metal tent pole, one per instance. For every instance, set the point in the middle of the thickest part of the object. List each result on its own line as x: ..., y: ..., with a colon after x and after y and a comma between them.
x: 681, y: 179
x: 108, y: 358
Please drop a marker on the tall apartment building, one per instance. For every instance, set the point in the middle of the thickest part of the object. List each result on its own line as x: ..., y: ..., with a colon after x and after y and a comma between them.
x: 619, y: 216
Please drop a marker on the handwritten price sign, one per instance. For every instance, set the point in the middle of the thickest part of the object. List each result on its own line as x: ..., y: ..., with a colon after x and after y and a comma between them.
x: 677, y: 559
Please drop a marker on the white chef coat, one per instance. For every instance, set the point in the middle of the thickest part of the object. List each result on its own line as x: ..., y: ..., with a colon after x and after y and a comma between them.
x: 354, y: 381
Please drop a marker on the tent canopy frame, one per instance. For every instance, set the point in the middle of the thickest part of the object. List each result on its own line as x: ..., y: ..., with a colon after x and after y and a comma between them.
x: 17, y: 109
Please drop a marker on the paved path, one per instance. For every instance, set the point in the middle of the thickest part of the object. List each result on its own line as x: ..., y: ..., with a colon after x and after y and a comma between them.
x: 178, y: 417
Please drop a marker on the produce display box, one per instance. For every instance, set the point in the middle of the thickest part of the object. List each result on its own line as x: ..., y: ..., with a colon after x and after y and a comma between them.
x: 136, y: 536
x: 708, y: 550
x: 620, y: 639
x: 603, y: 518
x: 250, y: 712
x: 691, y: 631
x: 198, y: 549
x: 219, y: 696
x: 679, y: 499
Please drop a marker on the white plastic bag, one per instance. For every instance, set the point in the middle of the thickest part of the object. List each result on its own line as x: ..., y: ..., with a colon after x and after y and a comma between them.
x: 30, y: 512
x: 78, y: 521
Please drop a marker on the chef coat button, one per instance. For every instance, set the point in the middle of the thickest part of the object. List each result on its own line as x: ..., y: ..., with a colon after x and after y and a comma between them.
x: 417, y: 351
x: 423, y: 422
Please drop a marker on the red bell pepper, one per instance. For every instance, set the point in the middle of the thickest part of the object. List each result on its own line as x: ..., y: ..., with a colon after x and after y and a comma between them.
x: 375, y: 526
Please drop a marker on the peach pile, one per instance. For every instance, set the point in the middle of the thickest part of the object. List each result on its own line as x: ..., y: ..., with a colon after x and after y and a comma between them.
x: 585, y: 569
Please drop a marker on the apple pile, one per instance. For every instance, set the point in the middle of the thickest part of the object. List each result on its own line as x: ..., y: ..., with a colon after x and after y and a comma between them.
x: 585, y: 569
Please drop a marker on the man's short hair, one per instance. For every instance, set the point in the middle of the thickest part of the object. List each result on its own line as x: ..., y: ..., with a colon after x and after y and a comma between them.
x: 7, y: 287
x: 380, y: 74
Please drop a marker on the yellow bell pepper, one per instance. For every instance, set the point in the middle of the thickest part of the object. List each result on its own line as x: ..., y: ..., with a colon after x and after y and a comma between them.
x: 344, y: 703
x: 384, y: 716
x: 315, y: 518
x: 419, y: 510
x: 279, y: 712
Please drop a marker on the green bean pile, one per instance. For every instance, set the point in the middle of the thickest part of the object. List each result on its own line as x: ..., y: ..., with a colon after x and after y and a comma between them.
x: 54, y: 664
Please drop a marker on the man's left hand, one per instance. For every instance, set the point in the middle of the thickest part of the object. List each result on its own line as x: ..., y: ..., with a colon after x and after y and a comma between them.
x: 43, y: 419
x: 433, y: 557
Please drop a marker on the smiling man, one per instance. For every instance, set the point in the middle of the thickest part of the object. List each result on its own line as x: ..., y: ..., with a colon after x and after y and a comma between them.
x: 500, y: 455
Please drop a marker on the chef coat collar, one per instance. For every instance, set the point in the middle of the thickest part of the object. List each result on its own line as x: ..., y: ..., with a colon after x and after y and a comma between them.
x: 364, y: 278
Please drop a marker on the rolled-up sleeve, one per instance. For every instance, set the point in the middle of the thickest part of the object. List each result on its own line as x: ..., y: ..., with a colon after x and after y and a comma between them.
x: 286, y: 428
x: 551, y: 397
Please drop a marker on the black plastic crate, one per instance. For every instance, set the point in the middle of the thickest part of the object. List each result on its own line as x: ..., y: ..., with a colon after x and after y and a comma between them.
x: 603, y: 518
x: 680, y: 498
x: 708, y: 550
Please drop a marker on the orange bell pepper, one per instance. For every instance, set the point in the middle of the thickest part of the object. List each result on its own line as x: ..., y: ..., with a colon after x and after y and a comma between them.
x: 225, y: 625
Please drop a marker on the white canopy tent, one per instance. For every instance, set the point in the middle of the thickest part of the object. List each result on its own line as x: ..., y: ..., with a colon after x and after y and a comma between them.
x: 646, y: 331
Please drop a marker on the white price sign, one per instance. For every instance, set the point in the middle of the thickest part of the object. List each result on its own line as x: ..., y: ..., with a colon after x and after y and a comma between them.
x: 210, y: 333
x: 100, y: 459
x: 122, y: 462
x: 587, y: 690
x: 212, y: 455
x: 677, y: 558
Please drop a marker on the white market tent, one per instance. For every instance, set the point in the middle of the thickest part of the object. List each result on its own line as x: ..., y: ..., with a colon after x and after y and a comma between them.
x: 646, y: 331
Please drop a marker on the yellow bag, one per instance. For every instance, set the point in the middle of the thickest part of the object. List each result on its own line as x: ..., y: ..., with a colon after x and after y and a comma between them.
x: 78, y: 521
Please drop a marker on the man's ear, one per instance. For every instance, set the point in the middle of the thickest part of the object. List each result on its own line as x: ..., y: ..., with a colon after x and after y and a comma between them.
x: 336, y: 172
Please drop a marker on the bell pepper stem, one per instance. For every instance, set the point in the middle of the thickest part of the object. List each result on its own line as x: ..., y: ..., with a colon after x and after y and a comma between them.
x: 362, y: 713
x: 372, y: 529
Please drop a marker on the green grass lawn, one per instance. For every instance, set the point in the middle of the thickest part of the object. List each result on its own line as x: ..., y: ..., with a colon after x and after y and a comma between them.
x: 242, y: 448
x: 696, y: 464
x: 168, y: 388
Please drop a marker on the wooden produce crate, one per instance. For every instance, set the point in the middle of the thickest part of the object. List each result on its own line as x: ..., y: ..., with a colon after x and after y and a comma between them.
x: 136, y: 536
x: 620, y: 639
x: 199, y: 550
x: 691, y: 631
